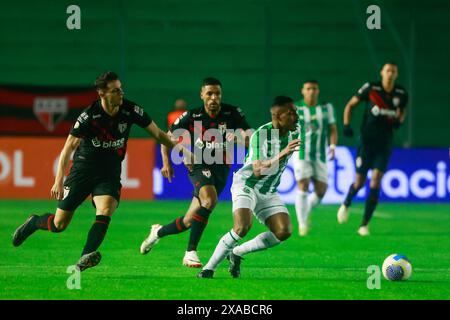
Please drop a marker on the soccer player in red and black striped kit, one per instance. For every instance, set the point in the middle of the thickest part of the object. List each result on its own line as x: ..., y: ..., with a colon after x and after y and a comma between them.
x: 99, y: 138
x: 384, y: 113
x: 208, y: 179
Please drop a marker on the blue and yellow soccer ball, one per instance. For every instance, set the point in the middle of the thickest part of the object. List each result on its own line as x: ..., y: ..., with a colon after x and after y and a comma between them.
x: 397, y: 267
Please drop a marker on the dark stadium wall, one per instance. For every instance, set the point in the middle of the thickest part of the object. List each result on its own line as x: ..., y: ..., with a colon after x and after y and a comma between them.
x: 163, y: 49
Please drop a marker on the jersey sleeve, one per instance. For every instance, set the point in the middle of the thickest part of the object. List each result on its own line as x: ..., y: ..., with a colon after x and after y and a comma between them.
x: 331, y: 116
x: 182, y: 122
x: 81, y: 126
x: 363, y: 92
x: 240, y: 120
x: 140, y: 117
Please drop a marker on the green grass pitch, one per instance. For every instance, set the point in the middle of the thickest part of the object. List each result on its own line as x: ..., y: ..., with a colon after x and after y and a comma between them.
x: 330, y: 263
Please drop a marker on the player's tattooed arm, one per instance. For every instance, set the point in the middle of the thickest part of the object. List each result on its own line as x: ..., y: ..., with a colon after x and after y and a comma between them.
x: 71, y: 144
x: 264, y: 167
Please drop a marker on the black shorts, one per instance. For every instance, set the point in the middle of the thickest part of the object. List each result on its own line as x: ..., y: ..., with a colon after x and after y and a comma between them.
x: 372, y: 156
x: 80, y: 184
x: 209, y: 175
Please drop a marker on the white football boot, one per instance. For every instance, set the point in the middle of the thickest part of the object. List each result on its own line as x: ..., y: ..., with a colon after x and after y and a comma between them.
x: 342, y: 215
x: 151, y: 240
x: 191, y: 260
x: 363, y: 231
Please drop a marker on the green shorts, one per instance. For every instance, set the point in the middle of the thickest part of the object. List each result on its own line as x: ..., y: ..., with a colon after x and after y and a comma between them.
x: 80, y: 184
x: 209, y: 175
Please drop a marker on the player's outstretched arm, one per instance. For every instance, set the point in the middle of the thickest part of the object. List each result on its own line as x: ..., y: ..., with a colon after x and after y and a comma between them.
x: 71, y: 144
x: 166, y: 141
x: 353, y: 102
x: 263, y: 167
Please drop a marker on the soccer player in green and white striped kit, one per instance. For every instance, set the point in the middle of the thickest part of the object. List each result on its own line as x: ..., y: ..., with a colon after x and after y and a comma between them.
x: 254, y: 189
x: 310, y: 163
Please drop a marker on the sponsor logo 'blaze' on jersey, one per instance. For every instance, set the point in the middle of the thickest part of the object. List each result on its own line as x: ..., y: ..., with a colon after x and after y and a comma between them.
x: 266, y: 143
x: 104, y: 138
x: 381, y: 109
x: 197, y: 122
x: 316, y: 120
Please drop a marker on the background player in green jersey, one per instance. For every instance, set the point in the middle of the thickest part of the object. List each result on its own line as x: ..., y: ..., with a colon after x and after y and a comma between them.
x: 385, y: 111
x: 99, y: 138
x: 254, y: 189
x: 310, y: 163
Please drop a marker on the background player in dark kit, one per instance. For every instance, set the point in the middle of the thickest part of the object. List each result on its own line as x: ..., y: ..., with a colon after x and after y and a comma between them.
x: 385, y: 111
x: 99, y: 138
x: 208, y: 179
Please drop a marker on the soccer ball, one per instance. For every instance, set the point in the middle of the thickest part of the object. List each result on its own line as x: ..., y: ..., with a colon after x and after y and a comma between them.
x: 396, y: 267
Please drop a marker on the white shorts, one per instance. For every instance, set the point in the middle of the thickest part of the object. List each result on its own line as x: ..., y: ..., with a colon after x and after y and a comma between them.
x: 262, y: 205
x: 310, y: 169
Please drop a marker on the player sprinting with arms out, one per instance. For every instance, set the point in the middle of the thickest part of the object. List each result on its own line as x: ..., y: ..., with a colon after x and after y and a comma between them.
x: 208, y: 177
x: 99, y: 138
x: 385, y: 111
x: 254, y: 189
x: 310, y: 163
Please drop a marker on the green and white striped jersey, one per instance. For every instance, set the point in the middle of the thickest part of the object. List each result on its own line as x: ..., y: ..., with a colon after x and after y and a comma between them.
x: 265, y: 143
x: 316, y: 121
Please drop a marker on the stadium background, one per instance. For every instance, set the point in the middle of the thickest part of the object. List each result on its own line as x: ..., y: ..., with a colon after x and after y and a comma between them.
x: 163, y: 49
x: 258, y: 49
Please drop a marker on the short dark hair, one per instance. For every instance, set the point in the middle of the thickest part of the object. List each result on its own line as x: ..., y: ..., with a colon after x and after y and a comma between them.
x: 389, y: 62
x: 281, y: 101
x: 102, y: 80
x: 311, y: 81
x: 210, y: 81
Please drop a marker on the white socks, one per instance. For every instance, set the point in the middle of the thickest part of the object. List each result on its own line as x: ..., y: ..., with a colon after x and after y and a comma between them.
x: 304, y: 203
x: 225, y: 245
x: 313, y: 200
x: 301, y: 207
x: 262, y: 241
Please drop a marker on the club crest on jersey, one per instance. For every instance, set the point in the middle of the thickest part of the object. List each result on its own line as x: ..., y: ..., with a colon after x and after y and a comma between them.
x: 396, y: 101
x: 375, y: 110
x: 222, y: 127
x: 66, y: 192
x: 123, y: 127
x: 50, y: 111
x: 206, y: 173
x: 199, y: 143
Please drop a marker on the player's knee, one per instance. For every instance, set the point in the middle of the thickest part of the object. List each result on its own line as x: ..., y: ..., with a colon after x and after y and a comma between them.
x: 209, y: 203
x: 283, y: 233
x: 375, y: 183
x: 321, y: 193
x: 241, y: 230
x: 61, y: 225
x: 107, y: 211
x: 187, y: 221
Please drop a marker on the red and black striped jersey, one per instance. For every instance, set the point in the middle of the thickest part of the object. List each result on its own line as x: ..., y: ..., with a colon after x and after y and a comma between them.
x: 104, y: 138
x: 209, y: 134
x: 381, y: 110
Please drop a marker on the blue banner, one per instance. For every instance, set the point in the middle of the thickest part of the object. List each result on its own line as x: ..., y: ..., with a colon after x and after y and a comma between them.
x: 413, y: 175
